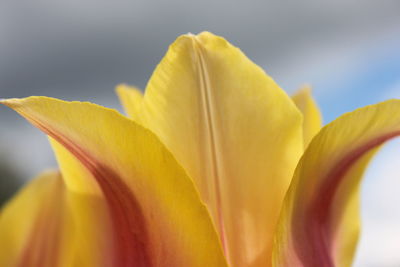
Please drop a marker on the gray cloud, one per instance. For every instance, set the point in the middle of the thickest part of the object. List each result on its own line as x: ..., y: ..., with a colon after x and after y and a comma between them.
x: 66, y: 48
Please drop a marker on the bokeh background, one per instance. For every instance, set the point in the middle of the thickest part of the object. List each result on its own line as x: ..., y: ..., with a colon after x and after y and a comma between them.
x: 80, y: 49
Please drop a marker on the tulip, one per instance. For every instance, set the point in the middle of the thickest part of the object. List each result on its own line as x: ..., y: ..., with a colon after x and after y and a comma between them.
x: 214, y: 166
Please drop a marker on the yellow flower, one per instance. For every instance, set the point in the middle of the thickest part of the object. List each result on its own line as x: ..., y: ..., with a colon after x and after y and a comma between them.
x: 211, y: 128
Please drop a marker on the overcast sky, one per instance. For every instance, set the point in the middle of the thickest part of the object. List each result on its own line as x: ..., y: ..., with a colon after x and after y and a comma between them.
x: 80, y: 49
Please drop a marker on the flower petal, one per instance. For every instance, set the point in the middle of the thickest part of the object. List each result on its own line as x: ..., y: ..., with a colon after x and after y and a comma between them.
x: 157, y: 216
x: 45, y: 225
x: 319, y: 224
x: 76, y: 176
x: 312, y: 121
x: 25, y: 218
x: 237, y: 134
x: 131, y: 99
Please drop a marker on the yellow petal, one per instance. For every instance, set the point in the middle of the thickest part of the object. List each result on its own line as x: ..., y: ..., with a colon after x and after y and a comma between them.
x: 131, y: 99
x: 47, y: 226
x: 319, y: 223
x: 76, y: 176
x: 312, y: 122
x: 237, y: 134
x: 157, y: 217
x: 24, y: 220
x: 88, y: 238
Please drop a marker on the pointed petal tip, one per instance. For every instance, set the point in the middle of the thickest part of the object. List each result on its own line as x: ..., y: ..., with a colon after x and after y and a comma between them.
x: 305, y: 89
x: 9, y: 101
x: 121, y: 87
x: 131, y: 98
x: 190, y: 34
x: 202, y: 37
x: 17, y: 102
x: 193, y: 35
x: 37, y: 101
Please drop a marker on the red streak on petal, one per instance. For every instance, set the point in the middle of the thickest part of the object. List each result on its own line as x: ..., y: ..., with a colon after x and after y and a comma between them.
x: 312, y: 239
x: 129, y: 227
x: 42, y: 246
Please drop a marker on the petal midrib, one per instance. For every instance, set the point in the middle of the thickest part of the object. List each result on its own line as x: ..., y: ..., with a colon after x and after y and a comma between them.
x: 211, y: 132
